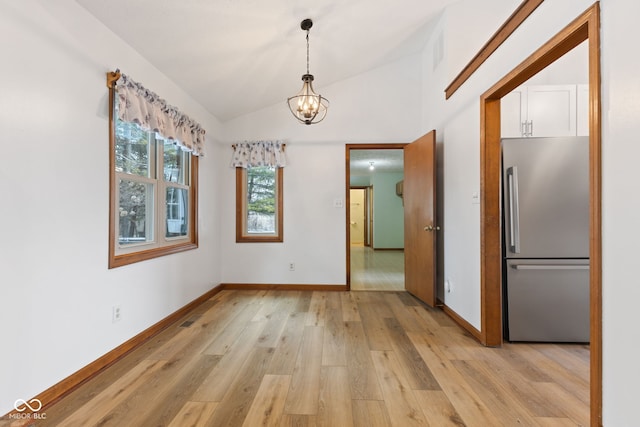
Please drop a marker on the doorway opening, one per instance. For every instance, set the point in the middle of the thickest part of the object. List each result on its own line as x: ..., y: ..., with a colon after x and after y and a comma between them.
x: 374, y: 218
x: 585, y: 28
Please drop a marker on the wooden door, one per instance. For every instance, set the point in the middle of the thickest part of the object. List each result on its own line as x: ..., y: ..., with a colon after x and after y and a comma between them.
x: 419, y: 218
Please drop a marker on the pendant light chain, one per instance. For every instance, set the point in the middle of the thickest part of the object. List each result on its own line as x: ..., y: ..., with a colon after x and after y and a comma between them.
x: 308, y: 52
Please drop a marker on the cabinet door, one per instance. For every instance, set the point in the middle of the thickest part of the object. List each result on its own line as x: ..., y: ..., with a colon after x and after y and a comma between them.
x: 551, y: 110
x: 513, y: 113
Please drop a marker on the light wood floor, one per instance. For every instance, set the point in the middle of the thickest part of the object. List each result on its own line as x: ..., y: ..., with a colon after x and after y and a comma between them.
x: 303, y: 358
x: 377, y: 270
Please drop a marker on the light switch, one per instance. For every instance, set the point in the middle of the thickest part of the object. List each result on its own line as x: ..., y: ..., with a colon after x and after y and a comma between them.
x: 338, y: 203
x: 475, y: 198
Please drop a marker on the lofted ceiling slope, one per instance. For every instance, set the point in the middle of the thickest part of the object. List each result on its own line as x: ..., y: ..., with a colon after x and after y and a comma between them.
x: 238, y: 56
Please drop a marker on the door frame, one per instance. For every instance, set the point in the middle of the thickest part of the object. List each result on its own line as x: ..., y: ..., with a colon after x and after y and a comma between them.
x: 366, y: 233
x: 584, y: 28
x: 347, y: 157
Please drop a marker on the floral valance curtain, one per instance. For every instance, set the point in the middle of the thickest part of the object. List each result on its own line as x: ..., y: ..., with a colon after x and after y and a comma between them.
x: 258, y: 153
x: 139, y: 105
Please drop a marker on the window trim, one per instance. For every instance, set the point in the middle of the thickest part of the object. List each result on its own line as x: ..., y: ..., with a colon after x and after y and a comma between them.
x: 241, y: 236
x: 191, y: 240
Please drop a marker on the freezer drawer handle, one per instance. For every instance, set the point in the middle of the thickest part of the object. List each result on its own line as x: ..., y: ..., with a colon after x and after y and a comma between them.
x: 514, y: 210
x: 549, y: 267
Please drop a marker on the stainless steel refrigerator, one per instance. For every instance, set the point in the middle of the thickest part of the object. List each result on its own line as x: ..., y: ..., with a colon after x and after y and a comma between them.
x: 546, y: 239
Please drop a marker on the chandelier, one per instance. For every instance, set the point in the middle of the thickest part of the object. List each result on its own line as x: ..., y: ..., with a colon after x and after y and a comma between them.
x: 307, y: 106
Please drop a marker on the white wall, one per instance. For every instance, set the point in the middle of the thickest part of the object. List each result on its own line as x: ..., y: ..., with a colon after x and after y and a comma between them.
x: 56, y: 290
x: 620, y: 231
x: 388, y: 212
x: 379, y: 106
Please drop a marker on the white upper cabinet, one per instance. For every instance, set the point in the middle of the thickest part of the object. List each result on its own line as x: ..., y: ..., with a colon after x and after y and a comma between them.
x: 583, y: 110
x: 513, y: 113
x: 543, y: 110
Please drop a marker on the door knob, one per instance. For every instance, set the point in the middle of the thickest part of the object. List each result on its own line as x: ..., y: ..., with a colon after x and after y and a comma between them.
x: 428, y: 228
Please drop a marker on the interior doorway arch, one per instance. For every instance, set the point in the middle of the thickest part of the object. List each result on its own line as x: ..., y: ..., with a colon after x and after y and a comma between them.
x: 585, y: 27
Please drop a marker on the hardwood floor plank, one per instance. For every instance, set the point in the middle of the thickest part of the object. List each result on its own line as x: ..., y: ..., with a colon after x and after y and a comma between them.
x: 426, y: 317
x: 455, y: 344
x: 408, y: 299
x: 275, y: 323
x: 521, y: 364
x: 463, y: 398
x: 572, y: 407
x: 493, y: 394
x: 416, y: 371
x: 572, y: 373
x: 334, y: 407
x: 288, y: 346
x: 350, y: 311
x: 317, y: 309
x: 99, y: 408
x: 228, y: 334
x: 194, y: 414
x: 518, y: 386
x: 235, y: 405
x: 437, y: 408
x: 268, y: 406
x: 370, y: 413
x: 217, y: 383
x: 295, y: 420
x: 333, y: 348
x: 334, y: 303
x: 206, y: 327
x: 363, y: 380
x: 578, y: 386
x: 398, y: 397
x: 303, y: 303
x: 172, y: 387
x: 404, y: 315
x: 305, y: 380
x: 555, y: 422
x: 373, y: 313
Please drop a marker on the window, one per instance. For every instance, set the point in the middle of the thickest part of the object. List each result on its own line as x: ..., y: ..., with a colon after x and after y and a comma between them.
x: 259, y: 204
x: 152, y: 196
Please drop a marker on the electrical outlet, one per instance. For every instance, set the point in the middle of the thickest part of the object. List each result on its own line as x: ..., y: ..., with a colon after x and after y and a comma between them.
x: 292, y: 266
x: 116, y: 313
x: 448, y: 286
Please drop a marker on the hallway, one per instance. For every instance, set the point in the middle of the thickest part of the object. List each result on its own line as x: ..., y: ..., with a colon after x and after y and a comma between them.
x: 379, y: 270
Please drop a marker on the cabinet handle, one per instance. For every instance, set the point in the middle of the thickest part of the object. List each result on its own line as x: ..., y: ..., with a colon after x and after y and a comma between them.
x: 530, y: 127
x: 524, y: 129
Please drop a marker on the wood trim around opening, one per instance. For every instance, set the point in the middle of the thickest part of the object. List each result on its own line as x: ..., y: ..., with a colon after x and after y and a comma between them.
x: 241, y: 236
x: 585, y: 27
x: 119, y: 260
x: 523, y: 11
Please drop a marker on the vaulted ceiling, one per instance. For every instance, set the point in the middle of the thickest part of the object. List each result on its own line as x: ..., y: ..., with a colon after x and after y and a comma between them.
x: 238, y: 56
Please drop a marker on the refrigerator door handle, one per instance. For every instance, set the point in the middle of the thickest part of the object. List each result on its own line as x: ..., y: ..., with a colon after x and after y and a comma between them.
x: 514, y: 210
x: 549, y: 267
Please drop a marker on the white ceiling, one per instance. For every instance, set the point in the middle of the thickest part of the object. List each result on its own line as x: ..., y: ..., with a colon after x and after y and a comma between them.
x: 238, y: 56
x: 384, y: 160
